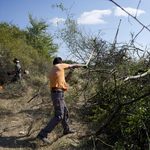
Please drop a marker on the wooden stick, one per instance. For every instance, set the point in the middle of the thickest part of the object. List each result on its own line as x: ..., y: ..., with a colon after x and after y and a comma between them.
x: 33, y: 98
x: 90, y: 57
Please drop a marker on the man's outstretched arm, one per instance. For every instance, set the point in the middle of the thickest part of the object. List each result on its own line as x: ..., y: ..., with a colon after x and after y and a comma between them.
x: 77, y: 66
x: 72, y: 66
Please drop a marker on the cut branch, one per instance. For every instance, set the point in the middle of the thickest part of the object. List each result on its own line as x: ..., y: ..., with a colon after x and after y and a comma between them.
x: 138, y: 76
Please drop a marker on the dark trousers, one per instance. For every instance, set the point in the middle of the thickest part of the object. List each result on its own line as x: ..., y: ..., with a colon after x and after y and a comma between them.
x: 16, y: 77
x: 61, y: 114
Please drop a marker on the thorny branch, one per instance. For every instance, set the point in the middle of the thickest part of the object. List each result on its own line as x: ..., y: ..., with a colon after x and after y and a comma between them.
x: 136, y: 35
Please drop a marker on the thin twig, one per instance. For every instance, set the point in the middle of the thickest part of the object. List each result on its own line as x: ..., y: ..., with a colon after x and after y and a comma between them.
x: 111, y: 73
x: 137, y: 8
x: 137, y: 34
x: 105, y: 143
x: 116, y: 88
x: 115, y: 40
x: 130, y: 15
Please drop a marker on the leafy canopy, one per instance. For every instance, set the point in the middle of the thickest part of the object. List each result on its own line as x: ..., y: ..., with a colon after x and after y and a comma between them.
x: 39, y: 37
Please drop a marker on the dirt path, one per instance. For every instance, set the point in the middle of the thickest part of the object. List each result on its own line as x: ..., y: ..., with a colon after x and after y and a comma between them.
x: 21, y: 122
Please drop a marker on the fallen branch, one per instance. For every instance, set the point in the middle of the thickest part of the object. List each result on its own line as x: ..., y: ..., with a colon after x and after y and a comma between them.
x: 138, y: 76
x: 105, y: 143
x: 38, y: 92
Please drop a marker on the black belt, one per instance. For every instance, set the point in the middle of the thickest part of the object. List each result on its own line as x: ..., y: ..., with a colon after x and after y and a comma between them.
x: 57, y: 91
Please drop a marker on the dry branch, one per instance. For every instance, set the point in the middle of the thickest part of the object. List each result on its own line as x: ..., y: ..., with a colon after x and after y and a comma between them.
x: 138, y: 7
x: 130, y: 15
x: 138, y: 76
x: 115, y: 40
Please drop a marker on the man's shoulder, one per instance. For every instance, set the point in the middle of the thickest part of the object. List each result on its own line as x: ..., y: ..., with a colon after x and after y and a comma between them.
x: 63, y: 65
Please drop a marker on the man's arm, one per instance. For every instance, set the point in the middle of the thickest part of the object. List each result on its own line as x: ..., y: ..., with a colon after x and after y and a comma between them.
x: 75, y: 66
x: 68, y: 76
x: 72, y: 66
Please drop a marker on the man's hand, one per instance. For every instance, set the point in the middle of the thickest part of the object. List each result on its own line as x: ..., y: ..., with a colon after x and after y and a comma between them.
x: 85, y: 66
x: 72, y: 70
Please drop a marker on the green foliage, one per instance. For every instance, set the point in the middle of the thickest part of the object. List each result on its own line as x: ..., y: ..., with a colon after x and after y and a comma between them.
x: 129, y: 123
x: 38, y: 37
x: 59, y: 6
x: 69, y: 62
x: 115, y: 106
x: 13, y: 43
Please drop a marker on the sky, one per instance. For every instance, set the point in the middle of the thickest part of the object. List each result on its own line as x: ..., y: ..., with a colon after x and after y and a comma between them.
x: 93, y: 15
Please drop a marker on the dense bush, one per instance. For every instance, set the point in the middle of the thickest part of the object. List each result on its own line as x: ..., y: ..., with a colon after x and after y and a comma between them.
x: 119, y: 109
x: 14, y: 42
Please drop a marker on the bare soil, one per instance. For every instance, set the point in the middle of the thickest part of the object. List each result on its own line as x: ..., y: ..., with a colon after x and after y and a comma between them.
x: 20, y: 122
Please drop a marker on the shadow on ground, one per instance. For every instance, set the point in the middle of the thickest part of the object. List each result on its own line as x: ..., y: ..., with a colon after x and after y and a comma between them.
x: 16, y: 142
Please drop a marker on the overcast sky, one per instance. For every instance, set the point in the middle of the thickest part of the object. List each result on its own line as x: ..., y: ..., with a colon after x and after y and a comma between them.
x: 92, y: 14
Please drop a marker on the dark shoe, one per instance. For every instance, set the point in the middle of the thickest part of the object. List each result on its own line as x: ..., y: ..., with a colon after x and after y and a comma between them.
x: 44, y: 139
x: 68, y: 132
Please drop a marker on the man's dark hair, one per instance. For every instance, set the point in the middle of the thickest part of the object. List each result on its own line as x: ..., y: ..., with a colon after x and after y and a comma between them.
x: 57, y: 60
